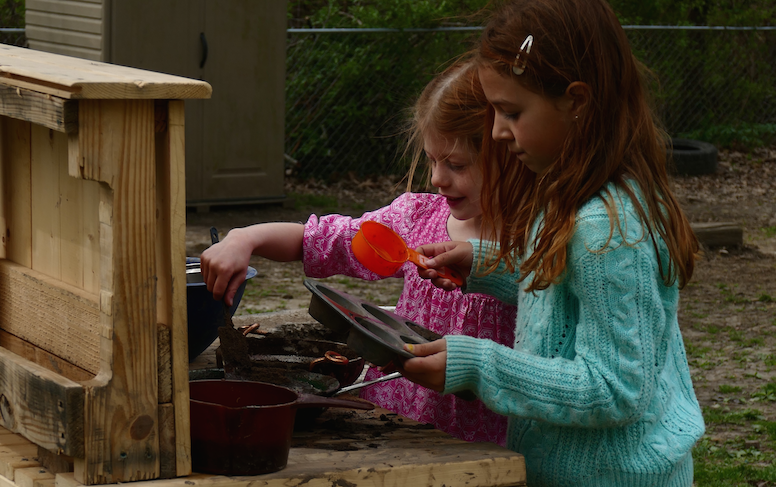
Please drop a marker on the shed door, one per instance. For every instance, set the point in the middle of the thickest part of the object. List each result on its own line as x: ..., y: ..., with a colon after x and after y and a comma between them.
x: 234, y: 141
x: 243, y: 135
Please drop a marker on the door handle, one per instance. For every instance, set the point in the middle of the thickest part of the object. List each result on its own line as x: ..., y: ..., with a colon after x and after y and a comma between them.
x: 203, y: 40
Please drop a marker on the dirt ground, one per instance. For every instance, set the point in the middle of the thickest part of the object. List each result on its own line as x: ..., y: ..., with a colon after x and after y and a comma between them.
x: 727, y: 312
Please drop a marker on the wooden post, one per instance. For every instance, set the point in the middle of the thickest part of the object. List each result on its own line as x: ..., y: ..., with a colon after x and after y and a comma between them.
x: 93, y: 333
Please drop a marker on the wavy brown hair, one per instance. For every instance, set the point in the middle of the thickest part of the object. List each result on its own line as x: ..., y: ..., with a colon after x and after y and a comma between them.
x: 616, y: 139
x: 453, y: 106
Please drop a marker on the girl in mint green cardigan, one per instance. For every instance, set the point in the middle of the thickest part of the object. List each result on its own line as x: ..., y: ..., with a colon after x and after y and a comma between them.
x: 593, y: 248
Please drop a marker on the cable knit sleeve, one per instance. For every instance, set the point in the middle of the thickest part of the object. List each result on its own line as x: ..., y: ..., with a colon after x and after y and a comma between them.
x: 501, y: 284
x: 326, y: 247
x: 589, y: 349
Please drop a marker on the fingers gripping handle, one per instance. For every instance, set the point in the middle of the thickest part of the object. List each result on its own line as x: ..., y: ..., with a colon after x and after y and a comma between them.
x: 421, y: 261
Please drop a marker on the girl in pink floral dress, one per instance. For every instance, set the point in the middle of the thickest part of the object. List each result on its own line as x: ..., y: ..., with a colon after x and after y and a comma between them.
x: 446, y: 128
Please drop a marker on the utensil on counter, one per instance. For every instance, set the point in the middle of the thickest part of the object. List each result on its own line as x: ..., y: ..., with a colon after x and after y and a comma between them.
x: 355, y: 387
x: 383, y: 251
x: 245, y: 427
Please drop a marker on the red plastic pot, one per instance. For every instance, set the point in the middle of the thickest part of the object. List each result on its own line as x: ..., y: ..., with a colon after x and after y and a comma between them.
x: 245, y: 427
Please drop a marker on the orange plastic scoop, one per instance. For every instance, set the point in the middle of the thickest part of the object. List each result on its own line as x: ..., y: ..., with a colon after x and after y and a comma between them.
x: 383, y: 251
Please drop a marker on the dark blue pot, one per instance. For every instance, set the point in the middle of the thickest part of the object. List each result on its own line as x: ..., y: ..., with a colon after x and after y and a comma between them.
x: 205, y: 314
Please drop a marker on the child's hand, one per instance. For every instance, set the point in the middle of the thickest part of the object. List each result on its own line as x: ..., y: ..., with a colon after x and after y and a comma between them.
x: 428, y: 368
x: 455, y: 255
x: 225, y: 265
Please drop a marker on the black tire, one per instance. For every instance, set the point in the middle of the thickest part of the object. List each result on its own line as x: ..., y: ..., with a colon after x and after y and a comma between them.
x: 691, y: 157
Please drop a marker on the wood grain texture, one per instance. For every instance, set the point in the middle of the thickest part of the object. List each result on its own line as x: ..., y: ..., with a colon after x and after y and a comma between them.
x: 17, y: 197
x: 167, y: 453
x: 171, y: 169
x: 43, y: 358
x: 46, y: 217
x: 121, y: 426
x: 719, y: 234
x: 44, y: 407
x: 34, y: 477
x: 50, y: 314
x: 41, y: 109
x: 75, y: 78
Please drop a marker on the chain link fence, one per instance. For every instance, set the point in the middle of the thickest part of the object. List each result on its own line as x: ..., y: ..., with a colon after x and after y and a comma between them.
x: 347, y: 90
x: 13, y: 36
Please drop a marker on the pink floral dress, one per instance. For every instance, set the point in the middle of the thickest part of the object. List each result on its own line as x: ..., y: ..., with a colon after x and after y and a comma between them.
x: 420, y: 218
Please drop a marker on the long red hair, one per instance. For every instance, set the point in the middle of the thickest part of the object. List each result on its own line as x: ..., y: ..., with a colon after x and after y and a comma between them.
x: 616, y: 139
x: 453, y: 106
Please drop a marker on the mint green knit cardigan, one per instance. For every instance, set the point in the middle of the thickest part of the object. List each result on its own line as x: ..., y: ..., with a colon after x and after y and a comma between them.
x: 597, y: 386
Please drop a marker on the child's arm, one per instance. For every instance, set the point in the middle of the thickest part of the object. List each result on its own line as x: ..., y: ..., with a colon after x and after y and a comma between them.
x: 590, y: 350
x: 225, y: 264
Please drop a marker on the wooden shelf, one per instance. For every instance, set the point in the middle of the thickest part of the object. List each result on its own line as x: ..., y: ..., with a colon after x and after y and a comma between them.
x: 92, y: 264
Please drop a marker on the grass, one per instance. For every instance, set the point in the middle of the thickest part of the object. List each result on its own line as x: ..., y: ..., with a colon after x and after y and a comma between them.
x: 739, y: 447
x: 743, y: 459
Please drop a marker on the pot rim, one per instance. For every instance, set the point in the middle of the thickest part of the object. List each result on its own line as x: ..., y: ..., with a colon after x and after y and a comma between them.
x: 249, y: 406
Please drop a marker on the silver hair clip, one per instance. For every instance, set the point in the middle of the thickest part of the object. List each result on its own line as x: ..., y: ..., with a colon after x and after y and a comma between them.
x: 519, y: 66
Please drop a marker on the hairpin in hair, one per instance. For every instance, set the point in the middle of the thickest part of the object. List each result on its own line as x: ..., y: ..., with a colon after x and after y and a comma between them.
x: 519, y: 67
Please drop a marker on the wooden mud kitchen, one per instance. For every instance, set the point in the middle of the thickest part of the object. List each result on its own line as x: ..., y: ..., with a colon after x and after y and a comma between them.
x: 94, y: 371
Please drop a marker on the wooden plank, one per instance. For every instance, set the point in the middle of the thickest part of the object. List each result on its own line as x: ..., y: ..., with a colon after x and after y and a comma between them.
x: 13, y: 457
x: 54, y: 462
x: 17, y: 197
x: 117, y: 146
x: 48, y: 313
x: 372, y: 451
x: 44, y: 407
x: 43, y: 358
x: 78, y: 240
x: 164, y: 365
x: 51, y: 112
x: 167, y: 453
x: 5, y: 482
x: 46, y: 159
x: 34, y: 477
x: 69, y: 77
x: 172, y: 220
x: 13, y: 439
x: 88, y: 240
x: 91, y: 237
x: 719, y: 234
x: 3, y: 190
x: 324, y: 468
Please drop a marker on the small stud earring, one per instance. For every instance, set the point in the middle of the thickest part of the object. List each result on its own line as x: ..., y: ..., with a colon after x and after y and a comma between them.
x: 576, y: 117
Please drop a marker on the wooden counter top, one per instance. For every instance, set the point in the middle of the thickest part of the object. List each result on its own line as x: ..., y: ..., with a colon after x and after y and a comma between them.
x: 371, y: 448
x: 342, y: 448
x: 368, y: 448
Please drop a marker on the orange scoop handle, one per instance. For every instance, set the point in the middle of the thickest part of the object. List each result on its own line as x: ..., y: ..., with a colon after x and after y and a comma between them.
x: 420, y: 260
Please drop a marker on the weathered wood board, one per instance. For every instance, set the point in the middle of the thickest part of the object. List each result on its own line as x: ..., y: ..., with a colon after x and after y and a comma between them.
x: 719, y: 234
x: 387, y: 450
x: 92, y: 263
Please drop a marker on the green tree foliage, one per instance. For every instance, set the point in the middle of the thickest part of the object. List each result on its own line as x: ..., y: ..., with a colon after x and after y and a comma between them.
x: 12, y: 16
x: 12, y: 13
x: 363, y: 83
x: 353, y: 90
x: 695, y: 12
